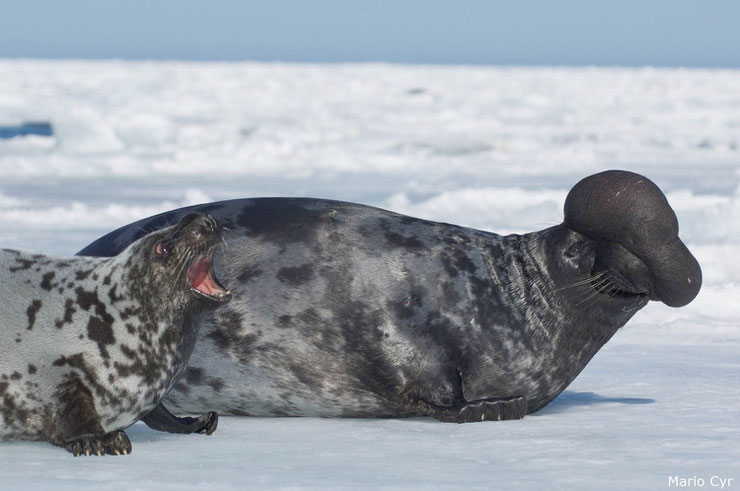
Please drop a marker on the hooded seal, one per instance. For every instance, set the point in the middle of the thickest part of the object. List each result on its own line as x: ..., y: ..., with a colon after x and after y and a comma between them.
x: 88, y: 346
x: 346, y: 310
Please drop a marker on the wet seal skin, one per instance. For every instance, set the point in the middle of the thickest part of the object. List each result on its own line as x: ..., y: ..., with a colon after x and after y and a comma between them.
x: 88, y: 346
x: 344, y: 310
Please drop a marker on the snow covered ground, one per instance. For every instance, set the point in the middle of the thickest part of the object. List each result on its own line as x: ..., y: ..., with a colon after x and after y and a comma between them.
x: 491, y: 148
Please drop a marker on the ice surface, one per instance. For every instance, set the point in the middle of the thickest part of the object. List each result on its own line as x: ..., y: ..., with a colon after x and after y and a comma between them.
x: 492, y: 148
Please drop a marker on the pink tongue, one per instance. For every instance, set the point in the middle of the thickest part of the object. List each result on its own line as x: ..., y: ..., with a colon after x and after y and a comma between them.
x: 199, y: 276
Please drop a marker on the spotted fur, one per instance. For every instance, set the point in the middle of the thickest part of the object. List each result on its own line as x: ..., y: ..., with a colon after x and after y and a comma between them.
x: 88, y: 346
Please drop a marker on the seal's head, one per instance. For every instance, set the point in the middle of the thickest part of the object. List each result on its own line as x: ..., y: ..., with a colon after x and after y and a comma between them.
x: 637, y: 235
x: 177, y: 262
x: 619, y: 245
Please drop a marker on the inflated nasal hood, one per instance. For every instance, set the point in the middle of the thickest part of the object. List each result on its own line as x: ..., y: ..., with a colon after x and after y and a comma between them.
x: 630, y: 210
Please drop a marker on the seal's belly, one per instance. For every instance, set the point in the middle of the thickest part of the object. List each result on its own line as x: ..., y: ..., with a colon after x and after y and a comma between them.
x: 262, y: 388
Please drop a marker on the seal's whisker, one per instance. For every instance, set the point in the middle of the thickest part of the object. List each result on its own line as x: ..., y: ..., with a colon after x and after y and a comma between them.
x: 183, y: 268
x: 591, y: 296
x: 584, y: 281
x: 180, y: 261
x: 223, y: 245
x: 595, y: 286
x: 590, y: 280
x: 609, y: 290
x: 592, y: 299
x: 183, y: 262
x: 595, y: 292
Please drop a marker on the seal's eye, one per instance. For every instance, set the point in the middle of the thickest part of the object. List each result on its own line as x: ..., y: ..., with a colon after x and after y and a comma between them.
x: 574, y: 249
x: 162, y: 248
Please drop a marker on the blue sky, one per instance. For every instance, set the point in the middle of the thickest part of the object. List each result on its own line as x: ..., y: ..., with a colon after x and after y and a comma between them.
x: 526, y: 32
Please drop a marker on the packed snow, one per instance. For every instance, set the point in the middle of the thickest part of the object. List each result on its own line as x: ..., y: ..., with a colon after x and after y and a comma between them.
x: 494, y: 148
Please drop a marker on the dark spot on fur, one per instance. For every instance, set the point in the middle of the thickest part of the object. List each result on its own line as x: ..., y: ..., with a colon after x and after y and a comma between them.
x: 101, y: 331
x: 219, y: 338
x: 463, y: 262
x: 295, y: 275
x: 228, y: 334
x: 128, y: 312
x: 448, y: 266
x: 194, y: 375
x: 305, y: 375
x: 24, y: 264
x: 249, y: 272
x: 113, y: 296
x: 181, y: 386
x: 99, y: 327
x: 231, y: 320
x: 395, y: 239
x: 237, y: 412
x: 69, y: 310
x: 15, y: 375
x: 406, y: 242
x: 46, y: 280
x: 216, y: 383
x: 31, y: 368
x: 31, y: 312
x: 309, y: 317
x: 86, y: 299
x: 82, y: 275
x: 128, y: 352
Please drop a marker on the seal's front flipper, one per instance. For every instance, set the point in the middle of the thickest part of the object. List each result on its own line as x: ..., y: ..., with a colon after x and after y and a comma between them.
x: 78, y: 427
x: 161, y: 419
x: 113, y: 443
x: 482, y: 410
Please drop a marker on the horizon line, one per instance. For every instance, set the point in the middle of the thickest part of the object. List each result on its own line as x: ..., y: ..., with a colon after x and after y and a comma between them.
x: 226, y: 60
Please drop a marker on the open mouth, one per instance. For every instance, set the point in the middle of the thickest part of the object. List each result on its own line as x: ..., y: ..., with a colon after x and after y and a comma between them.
x: 203, y: 282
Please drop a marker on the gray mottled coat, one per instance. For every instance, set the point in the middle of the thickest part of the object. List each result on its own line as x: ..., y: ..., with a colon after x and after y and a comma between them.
x: 347, y: 310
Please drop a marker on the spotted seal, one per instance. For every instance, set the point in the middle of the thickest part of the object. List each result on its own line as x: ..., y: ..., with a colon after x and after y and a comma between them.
x: 89, y: 345
x: 346, y: 310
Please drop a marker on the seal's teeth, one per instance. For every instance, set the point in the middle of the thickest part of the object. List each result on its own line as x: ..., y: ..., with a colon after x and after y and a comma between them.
x: 100, y: 453
x: 87, y: 452
x: 125, y: 452
x: 499, y: 417
x: 483, y: 417
x: 116, y: 452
